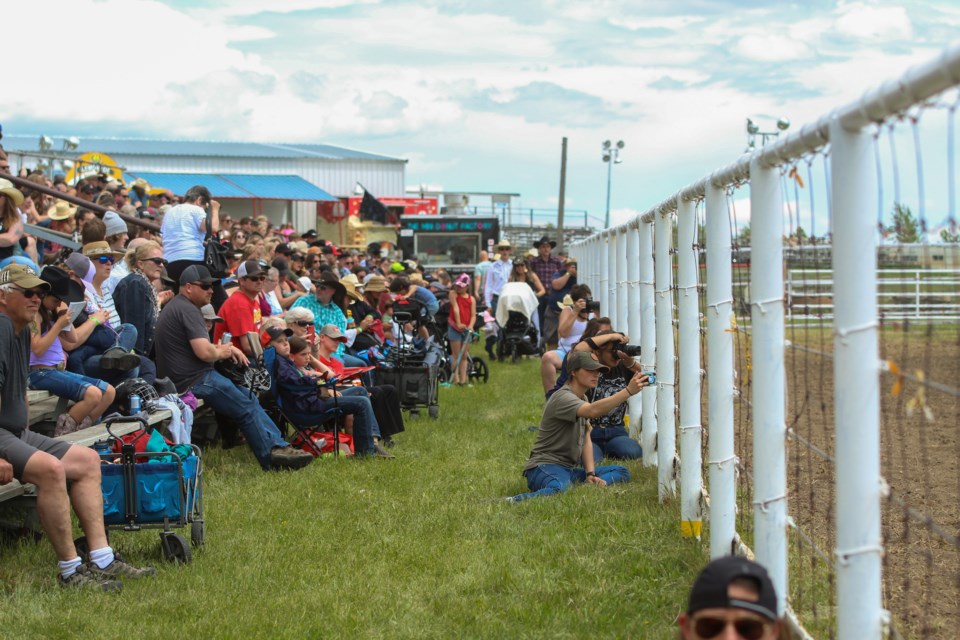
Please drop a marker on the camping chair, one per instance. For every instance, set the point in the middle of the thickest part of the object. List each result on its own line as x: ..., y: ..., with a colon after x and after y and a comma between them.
x: 305, y: 425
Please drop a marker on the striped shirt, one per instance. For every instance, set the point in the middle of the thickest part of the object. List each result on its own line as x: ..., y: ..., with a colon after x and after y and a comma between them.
x: 96, y: 302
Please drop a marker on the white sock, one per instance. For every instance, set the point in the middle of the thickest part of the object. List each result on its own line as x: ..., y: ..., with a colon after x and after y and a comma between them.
x: 69, y: 567
x: 102, y: 557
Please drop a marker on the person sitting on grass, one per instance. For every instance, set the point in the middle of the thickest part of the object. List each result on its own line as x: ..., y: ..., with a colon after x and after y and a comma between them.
x: 563, y: 440
x: 732, y: 591
x: 47, y: 463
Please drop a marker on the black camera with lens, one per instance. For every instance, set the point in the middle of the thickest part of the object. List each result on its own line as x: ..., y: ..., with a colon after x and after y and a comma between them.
x: 592, y: 305
x: 632, y: 350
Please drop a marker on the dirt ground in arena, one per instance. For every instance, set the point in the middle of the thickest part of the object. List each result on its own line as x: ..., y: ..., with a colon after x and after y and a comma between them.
x: 920, y: 462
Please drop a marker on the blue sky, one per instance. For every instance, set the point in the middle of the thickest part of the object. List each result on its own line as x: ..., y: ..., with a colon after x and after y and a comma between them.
x: 476, y: 94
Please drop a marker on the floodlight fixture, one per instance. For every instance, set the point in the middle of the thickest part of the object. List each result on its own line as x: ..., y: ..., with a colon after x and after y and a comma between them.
x: 46, y: 143
x: 71, y: 144
x: 783, y: 124
x: 620, y: 144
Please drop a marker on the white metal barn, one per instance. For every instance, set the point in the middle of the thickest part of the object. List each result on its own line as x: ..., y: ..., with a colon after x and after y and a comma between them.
x: 284, y: 173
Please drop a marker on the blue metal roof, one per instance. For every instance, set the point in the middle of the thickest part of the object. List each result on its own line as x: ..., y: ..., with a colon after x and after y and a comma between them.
x: 234, y: 185
x: 135, y: 147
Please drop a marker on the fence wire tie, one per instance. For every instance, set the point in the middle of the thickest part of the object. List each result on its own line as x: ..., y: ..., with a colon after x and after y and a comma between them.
x: 843, y: 557
x: 687, y: 288
x: 844, y: 333
x: 759, y: 304
x: 764, y: 504
x: 650, y: 282
x: 662, y: 292
x: 716, y: 305
x: 721, y: 463
x: 691, y: 426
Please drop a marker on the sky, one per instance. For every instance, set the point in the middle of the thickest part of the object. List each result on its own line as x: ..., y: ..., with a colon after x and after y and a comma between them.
x: 476, y: 95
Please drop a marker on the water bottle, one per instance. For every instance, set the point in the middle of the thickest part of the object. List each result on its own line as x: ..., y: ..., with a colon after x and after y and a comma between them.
x: 134, y: 404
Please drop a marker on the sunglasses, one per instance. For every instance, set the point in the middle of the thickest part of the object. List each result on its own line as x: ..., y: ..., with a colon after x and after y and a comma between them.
x: 255, y: 278
x: 160, y: 262
x: 106, y: 259
x: 303, y: 323
x: 30, y: 293
x: 713, y: 627
x: 205, y: 287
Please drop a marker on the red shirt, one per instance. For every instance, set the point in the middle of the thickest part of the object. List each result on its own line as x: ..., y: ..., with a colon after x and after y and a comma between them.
x: 333, y: 364
x: 240, y: 315
x: 464, y: 304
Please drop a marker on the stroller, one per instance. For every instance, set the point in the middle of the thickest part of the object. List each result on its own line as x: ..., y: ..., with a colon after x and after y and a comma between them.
x: 518, y: 321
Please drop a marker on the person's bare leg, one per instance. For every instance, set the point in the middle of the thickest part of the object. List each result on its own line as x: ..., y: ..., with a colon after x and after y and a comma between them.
x: 549, y: 366
x: 105, y: 402
x: 454, y: 354
x: 53, y: 504
x: 82, y: 467
x: 86, y: 406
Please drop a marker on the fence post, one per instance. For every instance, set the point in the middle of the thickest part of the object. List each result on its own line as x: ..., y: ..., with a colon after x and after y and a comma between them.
x: 648, y: 343
x: 609, y: 297
x: 631, y: 249
x: 857, y: 387
x: 720, y: 387
x: 691, y: 431
x: 768, y: 376
x: 620, y: 321
x: 603, y: 265
x: 666, y: 367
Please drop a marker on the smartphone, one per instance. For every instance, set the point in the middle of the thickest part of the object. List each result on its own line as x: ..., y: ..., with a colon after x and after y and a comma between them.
x: 312, y: 334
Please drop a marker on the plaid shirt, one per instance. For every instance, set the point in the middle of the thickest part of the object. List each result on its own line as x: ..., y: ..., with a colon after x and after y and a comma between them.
x: 545, y: 269
x: 324, y: 314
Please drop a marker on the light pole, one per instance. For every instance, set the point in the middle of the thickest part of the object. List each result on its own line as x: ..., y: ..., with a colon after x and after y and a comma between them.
x: 753, y: 130
x: 611, y: 155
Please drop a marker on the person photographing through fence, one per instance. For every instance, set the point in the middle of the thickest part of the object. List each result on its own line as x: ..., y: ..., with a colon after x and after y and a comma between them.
x: 563, y: 440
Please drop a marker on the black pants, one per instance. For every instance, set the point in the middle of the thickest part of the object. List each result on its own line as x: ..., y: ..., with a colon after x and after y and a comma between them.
x: 176, y: 268
x: 386, y: 408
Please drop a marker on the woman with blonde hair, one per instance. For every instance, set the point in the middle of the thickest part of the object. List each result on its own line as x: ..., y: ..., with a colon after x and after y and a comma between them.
x: 135, y: 298
x: 11, y: 224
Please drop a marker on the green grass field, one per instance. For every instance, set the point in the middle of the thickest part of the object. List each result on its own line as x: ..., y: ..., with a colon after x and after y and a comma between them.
x: 417, y: 547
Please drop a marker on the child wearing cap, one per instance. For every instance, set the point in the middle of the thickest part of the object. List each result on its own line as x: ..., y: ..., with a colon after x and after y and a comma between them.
x: 563, y: 440
x: 463, y: 313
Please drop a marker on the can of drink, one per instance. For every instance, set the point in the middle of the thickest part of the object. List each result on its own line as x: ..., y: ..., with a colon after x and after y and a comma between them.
x: 134, y: 404
x: 226, y: 337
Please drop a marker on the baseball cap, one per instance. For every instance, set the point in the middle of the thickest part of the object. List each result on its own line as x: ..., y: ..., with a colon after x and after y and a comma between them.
x: 583, y: 360
x: 272, y: 333
x: 463, y: 280
x: 331, y: 331
x: 209, y: 313
x: 710, y: 588
x: 196, y: 273
x: 283, y: 248
x: 249, y: 269
x: 23, y: 276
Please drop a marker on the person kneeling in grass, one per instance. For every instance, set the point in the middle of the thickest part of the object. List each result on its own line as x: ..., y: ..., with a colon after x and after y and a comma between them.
x: 563, y: 439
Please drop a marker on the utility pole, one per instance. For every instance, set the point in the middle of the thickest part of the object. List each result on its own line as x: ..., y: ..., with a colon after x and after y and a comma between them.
x: 563, y: 189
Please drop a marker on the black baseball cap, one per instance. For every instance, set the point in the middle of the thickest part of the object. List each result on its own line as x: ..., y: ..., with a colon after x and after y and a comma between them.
x: 196, y: 273
x: 310, y: 233
x: 710, y: 588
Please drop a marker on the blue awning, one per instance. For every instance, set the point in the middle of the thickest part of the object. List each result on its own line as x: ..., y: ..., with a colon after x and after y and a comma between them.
x: 234, y: 185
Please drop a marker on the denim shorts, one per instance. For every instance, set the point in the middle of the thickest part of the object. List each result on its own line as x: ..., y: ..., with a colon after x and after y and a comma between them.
x: 64, y: 384
x: 455, y: 336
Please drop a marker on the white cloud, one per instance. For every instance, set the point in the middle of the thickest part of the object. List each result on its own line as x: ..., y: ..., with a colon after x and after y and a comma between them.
x: 874, y: 23
x: 771, y: 47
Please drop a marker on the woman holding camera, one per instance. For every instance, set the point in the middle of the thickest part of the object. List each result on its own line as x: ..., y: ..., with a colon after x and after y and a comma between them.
x: 572, y: 322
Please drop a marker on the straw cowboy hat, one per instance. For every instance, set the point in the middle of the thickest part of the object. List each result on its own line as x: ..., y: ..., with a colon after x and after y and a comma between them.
x: 566, y: 302
x: 101, y: 248
x: 504, y: 244
x: 376, y: 284
x: 351, y: 289
x: 7, y: 189
x: 61, y: 210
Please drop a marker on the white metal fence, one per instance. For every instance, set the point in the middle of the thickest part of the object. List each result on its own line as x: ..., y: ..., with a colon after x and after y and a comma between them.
x: 824, y: 445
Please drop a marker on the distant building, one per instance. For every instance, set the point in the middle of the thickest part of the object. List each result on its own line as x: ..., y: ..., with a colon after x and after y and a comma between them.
x: 249, y: 178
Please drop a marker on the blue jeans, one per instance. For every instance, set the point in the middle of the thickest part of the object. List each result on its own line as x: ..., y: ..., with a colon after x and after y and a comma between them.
x: 64, y: 384
x: 548, y: 479
x: 85, y: 359
x: 354, y: 401
x: 614, y: 442
x: 244, y: 408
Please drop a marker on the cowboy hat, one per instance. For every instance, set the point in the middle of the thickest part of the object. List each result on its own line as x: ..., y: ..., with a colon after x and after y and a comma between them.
x: 7, y: 189
x: 376, y: 284
x: 329, y: 279
x: 61, y: 210
x: 351, y: 289
x: 545, y: 240
x: 61, y: 285
x: 566, y: 302
x: 504, y: 244
x: 100, y: 248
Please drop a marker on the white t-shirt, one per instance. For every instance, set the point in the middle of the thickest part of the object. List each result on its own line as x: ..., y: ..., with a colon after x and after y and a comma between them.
x: 182, y: 237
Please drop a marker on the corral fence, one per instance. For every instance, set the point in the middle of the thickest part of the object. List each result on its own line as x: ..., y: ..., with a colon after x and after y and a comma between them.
x: 831, y: 448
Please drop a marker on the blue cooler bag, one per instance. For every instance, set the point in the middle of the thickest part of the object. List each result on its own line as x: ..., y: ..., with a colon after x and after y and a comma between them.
x: 158, y: 491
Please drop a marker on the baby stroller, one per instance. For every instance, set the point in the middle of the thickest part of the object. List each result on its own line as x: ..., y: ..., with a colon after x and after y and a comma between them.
x: 518, y: 320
